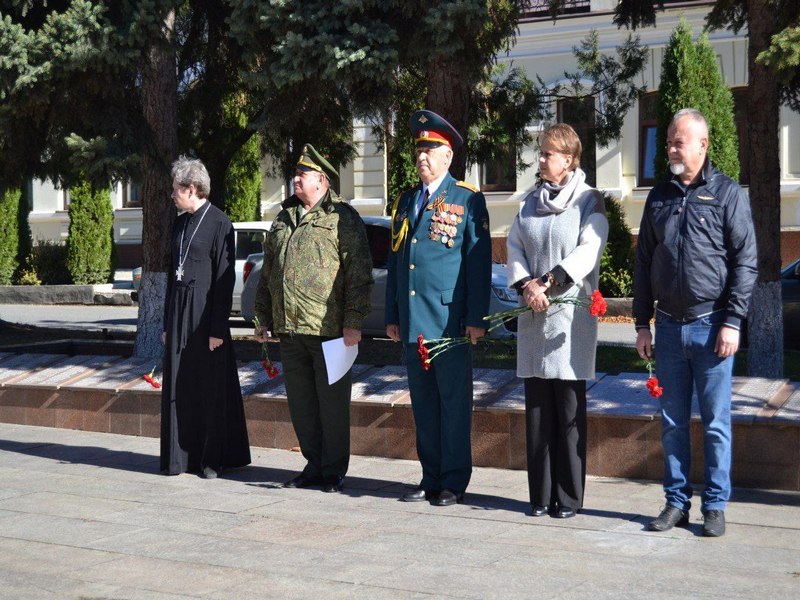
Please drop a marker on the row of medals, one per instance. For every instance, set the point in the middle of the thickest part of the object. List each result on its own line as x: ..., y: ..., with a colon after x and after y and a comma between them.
x: 444, y: 223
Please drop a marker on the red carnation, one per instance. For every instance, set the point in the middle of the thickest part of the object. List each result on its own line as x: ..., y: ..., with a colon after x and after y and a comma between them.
x: 598, y: 307
x: 652, y: 382
x: 148, y: 377
x: 270, y: 369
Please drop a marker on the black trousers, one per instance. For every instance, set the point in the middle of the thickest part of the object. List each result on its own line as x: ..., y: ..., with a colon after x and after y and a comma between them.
x: 320, y: 412
x: 555, y: 415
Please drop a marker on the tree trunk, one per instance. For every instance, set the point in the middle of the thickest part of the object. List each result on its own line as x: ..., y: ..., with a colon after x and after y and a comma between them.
x: 448, y: 96
x: 159, y: 92
x: 765, y: 318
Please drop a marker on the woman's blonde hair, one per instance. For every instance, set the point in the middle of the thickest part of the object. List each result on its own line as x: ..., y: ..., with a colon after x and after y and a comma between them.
x: 565, y: 140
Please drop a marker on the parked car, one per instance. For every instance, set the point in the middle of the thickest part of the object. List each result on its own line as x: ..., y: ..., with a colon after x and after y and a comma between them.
x: 379, y: 234
x: 249, y: 239
x: 790, y: 293
x: 790, y: 297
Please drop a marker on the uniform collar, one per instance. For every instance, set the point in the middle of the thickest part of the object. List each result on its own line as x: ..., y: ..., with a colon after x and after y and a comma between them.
x: 435, y: 185
x: 325, y: 204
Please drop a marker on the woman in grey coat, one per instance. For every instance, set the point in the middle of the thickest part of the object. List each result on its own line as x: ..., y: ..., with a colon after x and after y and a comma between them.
x: 554, y: 250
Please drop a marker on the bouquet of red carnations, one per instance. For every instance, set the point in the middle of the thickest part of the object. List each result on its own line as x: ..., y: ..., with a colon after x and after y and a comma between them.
x: 430, y: 349
x: 652, y: 382
x: 266, y: 364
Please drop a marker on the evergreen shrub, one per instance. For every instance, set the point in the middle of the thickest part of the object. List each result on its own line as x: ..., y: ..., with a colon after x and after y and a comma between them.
x: 690, y: 78
x: 90, y: 247
x: 9, y: 207
x: 242, y: 195
x: 616, y: 264
x: 46, y: 264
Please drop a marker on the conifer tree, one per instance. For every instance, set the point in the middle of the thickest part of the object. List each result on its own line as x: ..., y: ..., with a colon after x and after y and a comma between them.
x: 690, y: 78
x: 91, y: 241
x: 242, y: 194
x: 9, y: 235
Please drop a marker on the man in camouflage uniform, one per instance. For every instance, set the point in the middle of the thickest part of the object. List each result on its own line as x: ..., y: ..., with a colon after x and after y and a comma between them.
x: 315, y: 286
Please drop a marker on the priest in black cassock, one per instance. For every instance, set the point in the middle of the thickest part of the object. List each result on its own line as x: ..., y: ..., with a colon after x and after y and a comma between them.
x: 203, y: 428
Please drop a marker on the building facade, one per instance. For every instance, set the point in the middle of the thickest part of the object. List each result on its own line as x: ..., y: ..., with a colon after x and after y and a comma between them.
x: 543, y: 48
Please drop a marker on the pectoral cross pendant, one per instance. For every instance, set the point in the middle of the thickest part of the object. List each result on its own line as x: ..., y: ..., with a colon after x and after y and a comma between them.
x: 179, y: 273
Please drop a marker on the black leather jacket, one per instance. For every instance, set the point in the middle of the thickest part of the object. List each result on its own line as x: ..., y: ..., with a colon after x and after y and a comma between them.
x: 696, y: 251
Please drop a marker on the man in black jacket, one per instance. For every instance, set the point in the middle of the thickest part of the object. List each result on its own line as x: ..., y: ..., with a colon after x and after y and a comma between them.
x: 696, y: 257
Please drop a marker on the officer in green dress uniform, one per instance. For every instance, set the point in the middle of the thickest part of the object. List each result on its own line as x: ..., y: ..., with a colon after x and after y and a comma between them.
x: 438, y: 285
x: 315, y: 286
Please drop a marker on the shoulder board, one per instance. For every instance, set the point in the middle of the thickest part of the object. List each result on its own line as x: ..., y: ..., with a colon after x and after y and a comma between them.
x: 469, y: 186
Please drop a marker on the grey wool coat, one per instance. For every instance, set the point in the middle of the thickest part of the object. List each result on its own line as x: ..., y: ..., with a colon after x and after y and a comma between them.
x: 559, y: 343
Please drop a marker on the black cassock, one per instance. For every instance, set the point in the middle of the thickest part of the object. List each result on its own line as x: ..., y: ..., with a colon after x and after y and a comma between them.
x: 202, y: 413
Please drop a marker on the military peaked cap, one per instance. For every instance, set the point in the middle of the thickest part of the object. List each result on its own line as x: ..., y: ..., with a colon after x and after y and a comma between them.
x: 431, y: 130
x: 311, y: 160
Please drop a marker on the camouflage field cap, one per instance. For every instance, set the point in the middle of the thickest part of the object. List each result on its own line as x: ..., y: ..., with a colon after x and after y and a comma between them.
x: 311, y: 160
x: 431, y: 130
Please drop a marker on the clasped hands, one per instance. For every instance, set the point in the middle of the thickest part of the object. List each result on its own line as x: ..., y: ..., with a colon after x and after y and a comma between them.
x: 533, y: 294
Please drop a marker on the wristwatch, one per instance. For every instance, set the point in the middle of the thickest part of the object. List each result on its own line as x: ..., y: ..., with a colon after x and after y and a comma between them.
x: 547, y: 279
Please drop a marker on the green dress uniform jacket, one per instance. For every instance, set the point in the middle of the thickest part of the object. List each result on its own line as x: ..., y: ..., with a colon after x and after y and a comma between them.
x: 438, y: 282
x: 439, y: 279
x: 317, y: 272
x: 316, y: 280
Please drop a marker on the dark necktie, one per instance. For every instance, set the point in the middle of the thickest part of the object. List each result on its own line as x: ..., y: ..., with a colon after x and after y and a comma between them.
x: 422, y: 200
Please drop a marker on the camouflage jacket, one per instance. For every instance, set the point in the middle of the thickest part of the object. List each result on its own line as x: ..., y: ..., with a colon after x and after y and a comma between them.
x: 317, y: 272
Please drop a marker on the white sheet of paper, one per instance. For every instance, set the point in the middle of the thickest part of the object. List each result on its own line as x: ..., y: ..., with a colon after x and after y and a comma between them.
x: 338, y: 358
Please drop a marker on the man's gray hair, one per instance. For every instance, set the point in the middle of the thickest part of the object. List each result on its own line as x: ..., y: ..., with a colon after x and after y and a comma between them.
x: 191, y: 171
x: 692, y: 113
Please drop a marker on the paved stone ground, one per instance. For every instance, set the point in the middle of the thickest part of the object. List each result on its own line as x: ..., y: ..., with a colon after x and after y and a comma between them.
x: 84, y: 515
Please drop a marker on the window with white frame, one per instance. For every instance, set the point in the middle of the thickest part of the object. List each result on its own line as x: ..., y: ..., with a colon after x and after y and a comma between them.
x: 500, y: 173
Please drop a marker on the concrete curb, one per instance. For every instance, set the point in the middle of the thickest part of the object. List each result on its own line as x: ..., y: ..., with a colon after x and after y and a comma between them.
x: 619, y: 307
x: 66, y: 294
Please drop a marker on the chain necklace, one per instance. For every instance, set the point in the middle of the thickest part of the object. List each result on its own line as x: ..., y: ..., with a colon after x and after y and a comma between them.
x: 182, y: 254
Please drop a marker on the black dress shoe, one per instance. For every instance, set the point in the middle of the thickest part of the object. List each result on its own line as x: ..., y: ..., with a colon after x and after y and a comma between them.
x: 418, y: 495
x: 564, y: 512
x: 448, y: 498
x: 302, y: 481
x: 668, y: 518
x: 537, y: 510
x: 333, y: 485
x: 713, y: 523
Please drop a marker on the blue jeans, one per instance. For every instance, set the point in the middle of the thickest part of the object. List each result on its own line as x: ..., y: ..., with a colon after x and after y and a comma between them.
x: 686, y: 360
